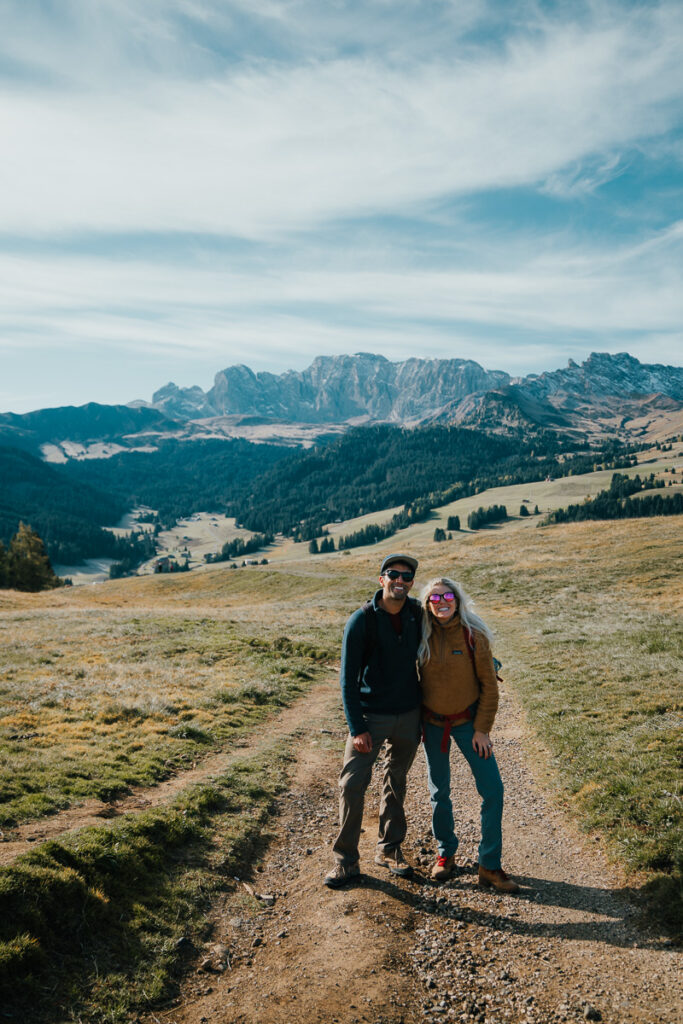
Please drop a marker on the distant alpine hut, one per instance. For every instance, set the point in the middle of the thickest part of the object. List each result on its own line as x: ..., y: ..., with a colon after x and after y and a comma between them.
x: 166, y: 564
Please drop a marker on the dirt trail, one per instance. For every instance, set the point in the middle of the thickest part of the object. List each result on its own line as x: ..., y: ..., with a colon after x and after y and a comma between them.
x: 391, y: 951
x: 141, y: 798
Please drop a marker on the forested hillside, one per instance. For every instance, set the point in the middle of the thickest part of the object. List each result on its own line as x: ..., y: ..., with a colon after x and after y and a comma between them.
x: 181, y: 478
x: 68, y: 505
x: 372, y: 468
x: 85, y: 423
x: 271, y: 488
x: 68, y: 515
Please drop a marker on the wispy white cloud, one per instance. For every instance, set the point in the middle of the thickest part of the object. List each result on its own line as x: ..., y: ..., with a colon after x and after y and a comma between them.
x: 70, y: 301
x: 257, y: 151
x: 583, y: 179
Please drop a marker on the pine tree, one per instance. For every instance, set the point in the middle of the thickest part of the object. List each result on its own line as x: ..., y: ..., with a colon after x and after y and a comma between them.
x: 313, y: 547
x: 29, y: 566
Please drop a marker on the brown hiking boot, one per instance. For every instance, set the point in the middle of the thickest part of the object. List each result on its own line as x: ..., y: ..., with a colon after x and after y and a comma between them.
x: 498, y: 879
x: 341, y: 874
x: 395, y: 861
x: 443, y: 868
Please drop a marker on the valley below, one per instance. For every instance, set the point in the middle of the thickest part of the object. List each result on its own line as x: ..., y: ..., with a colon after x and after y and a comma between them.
x: 204, y: 533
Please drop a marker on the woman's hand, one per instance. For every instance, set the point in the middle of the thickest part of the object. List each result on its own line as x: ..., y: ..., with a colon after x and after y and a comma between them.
x: 482, y: 744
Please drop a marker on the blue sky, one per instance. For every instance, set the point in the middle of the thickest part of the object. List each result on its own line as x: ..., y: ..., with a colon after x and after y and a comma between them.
x: 188, y: 184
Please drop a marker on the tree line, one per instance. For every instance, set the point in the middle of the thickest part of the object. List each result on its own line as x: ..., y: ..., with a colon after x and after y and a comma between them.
x: 238, y: 547
x: 272, y: 488
x: 70, y: 506
x: 181, y: 478
x: 371, y: 468
x: 326, y: 544
x: 617, y: 503
x: 415, y: 512
x: 484, y: 516
x: 366, y: 470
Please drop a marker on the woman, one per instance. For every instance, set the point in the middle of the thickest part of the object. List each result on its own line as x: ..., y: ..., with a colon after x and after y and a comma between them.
x: 460, y: 694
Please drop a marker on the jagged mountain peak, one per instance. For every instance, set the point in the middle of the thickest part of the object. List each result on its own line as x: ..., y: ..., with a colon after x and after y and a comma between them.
x: 604, y: 374
x: 184, y: 403
x: 346, y: 387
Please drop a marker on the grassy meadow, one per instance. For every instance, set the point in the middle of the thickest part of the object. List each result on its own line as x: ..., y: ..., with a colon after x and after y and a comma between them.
x: 122, y: 683
x: 119, y: 684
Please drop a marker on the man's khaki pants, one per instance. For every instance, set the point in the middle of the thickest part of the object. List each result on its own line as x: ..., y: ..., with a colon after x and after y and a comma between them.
x: 402, y: 736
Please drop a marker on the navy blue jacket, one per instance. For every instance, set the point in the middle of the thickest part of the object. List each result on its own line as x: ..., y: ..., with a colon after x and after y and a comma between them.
x: 389, y: 683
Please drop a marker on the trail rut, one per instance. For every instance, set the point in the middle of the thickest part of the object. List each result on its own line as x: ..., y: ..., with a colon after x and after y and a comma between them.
x: 24, y: 837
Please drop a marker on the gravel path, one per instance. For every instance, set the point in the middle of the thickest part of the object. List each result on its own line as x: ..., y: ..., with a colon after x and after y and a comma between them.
x: 391, y: 951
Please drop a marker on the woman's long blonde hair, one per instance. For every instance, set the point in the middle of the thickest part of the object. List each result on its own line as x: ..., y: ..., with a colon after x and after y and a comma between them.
x: 464, y: 608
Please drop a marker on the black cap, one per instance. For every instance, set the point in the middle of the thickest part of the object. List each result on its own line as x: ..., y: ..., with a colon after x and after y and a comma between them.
x: 390, y: 559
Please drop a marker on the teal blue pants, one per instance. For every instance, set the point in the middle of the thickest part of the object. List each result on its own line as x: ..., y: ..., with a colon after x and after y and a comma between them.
x: 489, y: 787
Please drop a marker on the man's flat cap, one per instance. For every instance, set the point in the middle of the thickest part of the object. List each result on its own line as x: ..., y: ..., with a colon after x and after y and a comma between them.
x: 390, y: 559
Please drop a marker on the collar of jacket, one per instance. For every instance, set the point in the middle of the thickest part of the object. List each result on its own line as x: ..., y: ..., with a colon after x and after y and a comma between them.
x: 446, y: 627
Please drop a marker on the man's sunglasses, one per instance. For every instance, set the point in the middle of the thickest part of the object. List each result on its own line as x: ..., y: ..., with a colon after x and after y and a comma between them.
x: 405, y: 574
x: 435, y: 598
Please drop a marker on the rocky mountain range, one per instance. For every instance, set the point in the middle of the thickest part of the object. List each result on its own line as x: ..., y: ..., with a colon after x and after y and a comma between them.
x: 605, y: 396
x: 336, y: 389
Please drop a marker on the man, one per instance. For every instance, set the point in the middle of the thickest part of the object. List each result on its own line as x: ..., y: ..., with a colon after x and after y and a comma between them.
x: 381, y: 694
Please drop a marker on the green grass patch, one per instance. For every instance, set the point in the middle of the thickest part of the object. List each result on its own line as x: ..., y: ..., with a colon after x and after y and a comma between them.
x: 90, y: 926
x: 156, y: 694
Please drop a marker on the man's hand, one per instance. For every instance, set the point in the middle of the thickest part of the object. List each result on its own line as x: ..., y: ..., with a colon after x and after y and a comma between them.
x: 482, y: 744
x: 363, y: 743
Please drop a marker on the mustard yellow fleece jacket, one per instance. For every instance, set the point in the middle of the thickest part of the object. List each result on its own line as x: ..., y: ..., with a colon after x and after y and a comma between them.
x: 449, y: 682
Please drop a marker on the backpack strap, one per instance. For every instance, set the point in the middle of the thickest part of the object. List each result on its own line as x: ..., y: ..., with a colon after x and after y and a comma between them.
x: 415, y: 609
x: 469, y: 637
x: 370, y: 641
